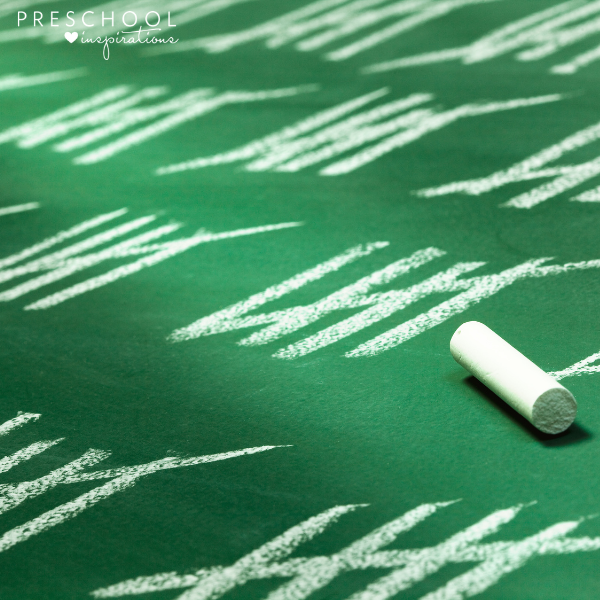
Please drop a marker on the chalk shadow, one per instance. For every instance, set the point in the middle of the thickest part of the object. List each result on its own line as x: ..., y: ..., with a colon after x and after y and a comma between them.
x: 575, y: 434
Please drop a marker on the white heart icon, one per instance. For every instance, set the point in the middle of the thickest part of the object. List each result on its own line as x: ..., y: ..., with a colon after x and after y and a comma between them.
x: 71, y: 36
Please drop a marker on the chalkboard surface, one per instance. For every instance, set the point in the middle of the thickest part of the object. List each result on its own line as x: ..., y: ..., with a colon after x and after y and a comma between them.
x: 236, y: 237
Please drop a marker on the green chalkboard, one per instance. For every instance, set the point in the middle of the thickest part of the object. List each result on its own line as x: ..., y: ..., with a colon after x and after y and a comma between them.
x: 232, y: 258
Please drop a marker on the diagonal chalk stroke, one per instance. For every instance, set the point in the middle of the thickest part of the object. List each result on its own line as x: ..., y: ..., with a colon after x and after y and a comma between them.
x: 579, y: 368
x: 534, y: 37
x: 384, y: 305
x: 126, y: 479
x: 272, y: 142
x: 367, y: 133
x: 349, y: 296
x: 484, y: 287
x: 219, y: 583
x: 185, y: 115
x: 64, y: 269
x: 31, y: 128
x: 8, y: 462
x: 170, y: 250
x: 58, y: 259
x: 20, y: 420
x: 14, y: 494
x: 17, y: 80
x: 226, y: 319
x: 11, y: 210
x: 480, y: 288
x: 60, y: 237
x: 404, y: 568
x: 108, y: 112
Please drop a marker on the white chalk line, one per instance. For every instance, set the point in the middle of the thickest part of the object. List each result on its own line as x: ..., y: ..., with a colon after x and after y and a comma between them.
x: 335, y: 23
x: 316, y: 574
x: 588, y: 196
x: 269, y: 29
x: 185, y: 115
x: 488, y: 573
x: 19, y: 208
x: 271, y: 143
x: 298, y: 147
x: 347, y: 134
x: 378, y: 306
x: 348, y: 22
x: 164, y: 464
x: 281, y: 547
x: 8, y: 7
x: 70, y: 260
x: 31, y: 128
x: 309, y: 575
x: 384, y: 305
x: 567, y: 181
x: 534, y: 37
x: 583, y: 60
x: 128, y: 118
x: 354, y: 139
x: 428, y: 125
x: 11, y: 496
x: 480, y: 288
x: 348, y: 297
x: 17, y: 80
x: 583, y: 367
x: 71, y: 266
x: 60, y: 237
x: 497, y: 42
x: 564, y: 177
x: 228, y: 318
x: 428, y: 13
x: 430, y: 560
x: 106, y: 113
x: 8, y: 462
x: 116, y: 109
x: 59, y: 258
x: 326, y: 22
x: 202, y: 9
x: 169, y: 250
x: 20, y: 420
x: 14, y: 494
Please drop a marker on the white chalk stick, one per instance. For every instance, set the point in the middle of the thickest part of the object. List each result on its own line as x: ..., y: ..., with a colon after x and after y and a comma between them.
x: 519, y: 382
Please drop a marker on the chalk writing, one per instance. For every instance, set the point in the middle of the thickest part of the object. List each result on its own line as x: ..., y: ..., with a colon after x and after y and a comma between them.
x: 564, y: 177
x: 330, y: 22
x: 371, y: 134
x: 11, y: 210
x: 534, y: 37
x: 585, y: 366
x: 17, y: 80
x: 70, y: 260
x: 15, y: 494
x: 377, y: 306
x: 117, y: 109
x: 405, y: 568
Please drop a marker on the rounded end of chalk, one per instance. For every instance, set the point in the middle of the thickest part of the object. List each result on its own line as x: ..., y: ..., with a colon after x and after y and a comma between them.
x: 468, y: 327
x: 554, y: 411
x: 455, y: 341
